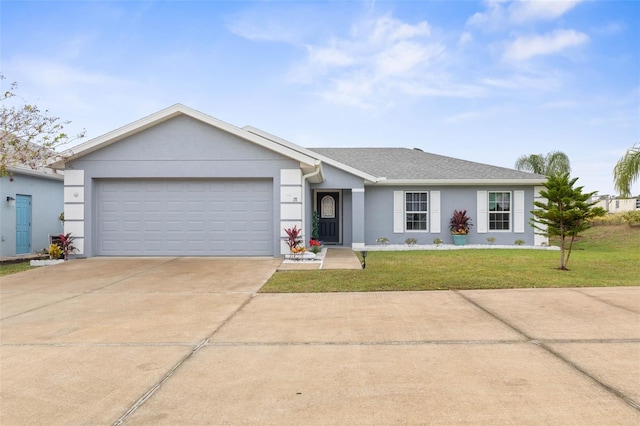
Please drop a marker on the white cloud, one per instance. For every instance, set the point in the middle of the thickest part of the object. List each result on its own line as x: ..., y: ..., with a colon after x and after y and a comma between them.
x: 532, y: 82
x: 378, y: 59
x: 332, y: 56
x: 354, y: 91
x: 386, y: 29
x: 260, y: 24
x: 440, y: 86
x: 494, y: 17
x: 539, y: 10
x: 465, y: 38
x: 523, y: 48
x: 500, y: 15
x: 401, y: 58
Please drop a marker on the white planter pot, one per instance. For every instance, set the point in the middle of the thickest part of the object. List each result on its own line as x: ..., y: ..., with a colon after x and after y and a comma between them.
x: 46, y: 262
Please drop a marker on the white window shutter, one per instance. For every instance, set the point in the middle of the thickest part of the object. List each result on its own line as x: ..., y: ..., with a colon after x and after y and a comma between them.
x: 518, y: 211
x: 398, y: 212
x: 482, y: 219
x: 538, y: 239
x: 435, y: 212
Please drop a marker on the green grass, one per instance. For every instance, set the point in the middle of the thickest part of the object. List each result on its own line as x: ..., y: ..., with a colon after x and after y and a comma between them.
x: 14, y: 268
x: 605, y: 256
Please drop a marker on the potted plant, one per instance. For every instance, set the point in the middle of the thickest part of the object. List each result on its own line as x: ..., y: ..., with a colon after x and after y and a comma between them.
x: 293, y: 239
x: 295, y: 243
x: 315, y: 227
x: 55, y: 251
x: 316, y: 246
x: 314, y: 243
x: 460, y: 224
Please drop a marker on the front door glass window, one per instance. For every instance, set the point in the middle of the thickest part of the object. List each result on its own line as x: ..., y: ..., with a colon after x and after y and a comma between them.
x: 327, y: 207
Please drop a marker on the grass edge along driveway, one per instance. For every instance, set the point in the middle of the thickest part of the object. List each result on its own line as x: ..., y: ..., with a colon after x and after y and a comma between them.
x: 605, y: 256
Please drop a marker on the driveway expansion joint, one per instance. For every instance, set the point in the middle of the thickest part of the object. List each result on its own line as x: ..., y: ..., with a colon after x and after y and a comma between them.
x: 540, y: 343
x: 147, y: 395
x: 601, y: 300
x: 97, y: 344
x: 371, y: 343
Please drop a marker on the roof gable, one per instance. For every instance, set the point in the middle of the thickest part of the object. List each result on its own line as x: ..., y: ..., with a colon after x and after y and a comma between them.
x: 307, y: 162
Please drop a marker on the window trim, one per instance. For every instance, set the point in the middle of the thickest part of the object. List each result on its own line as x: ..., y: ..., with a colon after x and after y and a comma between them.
x: 425, y: 212
x: 490, y: 212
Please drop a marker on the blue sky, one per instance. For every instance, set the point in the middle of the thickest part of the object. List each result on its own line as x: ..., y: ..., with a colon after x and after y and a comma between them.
x: 482, y: 81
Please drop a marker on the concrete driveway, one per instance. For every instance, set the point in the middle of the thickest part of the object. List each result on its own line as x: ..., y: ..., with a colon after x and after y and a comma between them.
x: 187, y: 341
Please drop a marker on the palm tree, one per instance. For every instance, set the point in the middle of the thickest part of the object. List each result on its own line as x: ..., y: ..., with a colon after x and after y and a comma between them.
x: 627, y: 171
x: 551, y: 164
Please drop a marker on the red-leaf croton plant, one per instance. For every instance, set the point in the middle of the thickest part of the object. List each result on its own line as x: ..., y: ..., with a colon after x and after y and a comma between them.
x: 460, y: 223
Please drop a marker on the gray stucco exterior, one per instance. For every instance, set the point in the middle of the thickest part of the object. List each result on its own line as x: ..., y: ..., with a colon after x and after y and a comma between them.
x: 183, y: 146
x: 47, y: 200
x: 180, y: 148
x: 379, y: 215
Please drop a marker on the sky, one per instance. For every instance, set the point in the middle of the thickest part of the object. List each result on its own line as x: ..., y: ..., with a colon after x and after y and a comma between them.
x: 485, y: 81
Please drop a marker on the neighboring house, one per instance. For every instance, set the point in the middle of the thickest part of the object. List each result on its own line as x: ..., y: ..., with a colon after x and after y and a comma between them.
x: 180, y: 182
x: 30, y: 205
x: 617, y: 205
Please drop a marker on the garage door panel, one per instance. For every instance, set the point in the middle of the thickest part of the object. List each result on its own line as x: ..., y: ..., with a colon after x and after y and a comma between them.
x: 175, y: 187
x: 132, y: 186
x: 151, y: 226
x: 108, y: 226
x: 174, y: 206
x: 190, y: 217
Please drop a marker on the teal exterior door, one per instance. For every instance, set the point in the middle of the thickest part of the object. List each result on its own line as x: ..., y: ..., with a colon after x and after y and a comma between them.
x: 23, y: 224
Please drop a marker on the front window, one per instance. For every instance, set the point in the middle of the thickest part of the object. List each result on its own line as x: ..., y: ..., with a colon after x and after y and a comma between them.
x: 499, y: 211
x: 416, y: 211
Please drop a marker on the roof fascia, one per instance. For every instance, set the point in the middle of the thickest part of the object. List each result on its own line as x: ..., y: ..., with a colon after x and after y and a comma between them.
x: 459, y: 182
x: 36, y: 173
x: 324, y: 159
x: 165, y: 115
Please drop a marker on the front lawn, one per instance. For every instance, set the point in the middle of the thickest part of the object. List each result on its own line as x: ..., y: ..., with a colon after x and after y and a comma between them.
x: 13, y: 268
x: 605, y: 256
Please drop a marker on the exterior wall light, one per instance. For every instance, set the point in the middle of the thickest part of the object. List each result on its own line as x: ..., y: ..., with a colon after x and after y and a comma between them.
x: 10, y: 199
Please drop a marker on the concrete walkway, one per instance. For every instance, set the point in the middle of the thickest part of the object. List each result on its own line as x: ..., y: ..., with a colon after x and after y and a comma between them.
x: 169, y: 341
x: 334, y: 258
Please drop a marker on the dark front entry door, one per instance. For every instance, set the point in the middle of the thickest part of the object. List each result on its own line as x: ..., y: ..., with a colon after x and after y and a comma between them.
x: 328, y: 208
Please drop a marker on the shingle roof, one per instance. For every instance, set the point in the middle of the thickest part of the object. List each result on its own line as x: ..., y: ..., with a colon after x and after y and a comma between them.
x: 412, y: 164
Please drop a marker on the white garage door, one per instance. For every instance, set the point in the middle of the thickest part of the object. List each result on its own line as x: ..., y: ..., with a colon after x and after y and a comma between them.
x: 154, y: 217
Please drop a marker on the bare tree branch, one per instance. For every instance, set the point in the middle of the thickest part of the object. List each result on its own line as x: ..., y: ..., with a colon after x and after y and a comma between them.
x: 28, y: 136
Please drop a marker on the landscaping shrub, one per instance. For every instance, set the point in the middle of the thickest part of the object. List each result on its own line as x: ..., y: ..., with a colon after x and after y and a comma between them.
x: 608, y: 219
x: 632, y: 217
